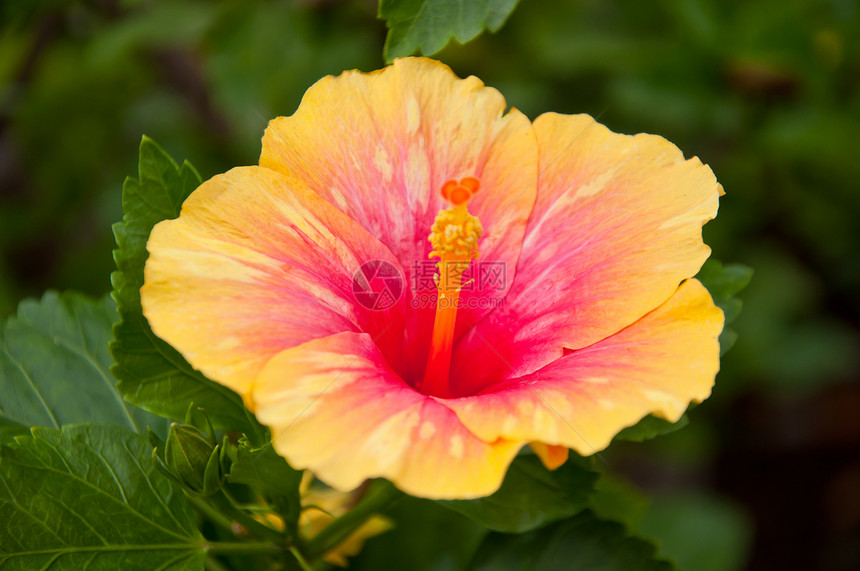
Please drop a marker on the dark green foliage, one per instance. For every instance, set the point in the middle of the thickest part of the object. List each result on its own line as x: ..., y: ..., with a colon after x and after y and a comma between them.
x: 650, y: 427
x: 426, y: 537
x: 725, y: 282
x: 584, y: 543
x: 425, y: 26
x: 54, y: 367
x: 270, y: 476
x: 152, y: 374
x: 88, y: 497
x: 532, y: 496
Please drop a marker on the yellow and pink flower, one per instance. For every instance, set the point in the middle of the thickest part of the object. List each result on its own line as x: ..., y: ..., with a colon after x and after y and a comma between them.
x: 588, y: 317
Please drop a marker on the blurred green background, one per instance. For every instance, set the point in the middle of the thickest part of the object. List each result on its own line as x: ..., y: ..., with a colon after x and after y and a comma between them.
x: 767, y: 474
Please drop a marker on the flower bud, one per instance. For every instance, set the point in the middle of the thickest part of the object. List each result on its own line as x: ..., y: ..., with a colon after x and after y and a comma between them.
x: 194, y: 459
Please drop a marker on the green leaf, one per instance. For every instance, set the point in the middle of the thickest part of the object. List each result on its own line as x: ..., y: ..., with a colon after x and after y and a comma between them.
x: 152, y: 374
x: 9, y: 430
x: 271, y: 476
x: 698, y: 531
x: 426, y: 537
x: 617, y: 500
x: 427, y: 25
x: 727, y: 339
x: 724, y: 282
x: 88, y: 497
x: 651, y: 427
x: 532, y: 496
x: 54, y: 366
x: 584, y: 543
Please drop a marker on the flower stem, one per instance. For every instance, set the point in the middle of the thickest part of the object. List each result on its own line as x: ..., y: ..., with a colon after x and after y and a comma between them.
x: 211, y: 513
x: 222, y: 512
x: 301, y: 560
x: 226, y: 506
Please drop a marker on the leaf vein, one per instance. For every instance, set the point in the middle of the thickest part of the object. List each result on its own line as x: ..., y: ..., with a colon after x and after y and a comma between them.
x: 99, y: 491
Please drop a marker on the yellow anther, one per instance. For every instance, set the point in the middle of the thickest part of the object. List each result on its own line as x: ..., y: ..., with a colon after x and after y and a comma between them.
x: 455, y: 234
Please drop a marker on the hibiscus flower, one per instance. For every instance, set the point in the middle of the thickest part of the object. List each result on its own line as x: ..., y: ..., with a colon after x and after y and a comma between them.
x: 558, y: 306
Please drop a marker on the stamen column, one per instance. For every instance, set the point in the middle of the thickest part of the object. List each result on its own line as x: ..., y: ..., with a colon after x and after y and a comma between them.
x: 454, y: 237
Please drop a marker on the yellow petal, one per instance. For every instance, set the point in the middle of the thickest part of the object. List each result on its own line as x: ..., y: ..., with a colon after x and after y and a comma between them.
x: 657, y: 366
x: 617, y: 225
x: 336, y: 408
x: 255, y: 263
x: 551, y: 456
x: 381, y: 145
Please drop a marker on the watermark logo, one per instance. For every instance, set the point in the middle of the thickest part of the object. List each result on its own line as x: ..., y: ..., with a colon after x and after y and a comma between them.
x: 426, y: 299
x: 480, y: 275
x: 377, y: 285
